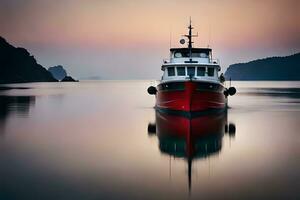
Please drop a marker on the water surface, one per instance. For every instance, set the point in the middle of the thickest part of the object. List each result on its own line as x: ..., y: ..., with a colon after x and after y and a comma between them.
x: 103, y: 140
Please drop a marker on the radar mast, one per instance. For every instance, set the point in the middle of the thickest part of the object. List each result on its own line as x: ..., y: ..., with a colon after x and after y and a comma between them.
x: 189, y: 36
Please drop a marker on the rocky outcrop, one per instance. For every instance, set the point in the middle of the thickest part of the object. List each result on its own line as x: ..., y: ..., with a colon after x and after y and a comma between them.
x: 58, y: 72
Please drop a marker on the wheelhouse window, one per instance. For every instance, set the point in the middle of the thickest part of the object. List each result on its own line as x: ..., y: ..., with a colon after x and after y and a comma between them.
x: 191, y: 71
x: 210, y: 71
x: 178, y: 55
x: 200, y: 71
x: 171, y: 71
x: 196, y: 54
x: 203, y: 55
x: 181, y: 54
x: 181, y: 71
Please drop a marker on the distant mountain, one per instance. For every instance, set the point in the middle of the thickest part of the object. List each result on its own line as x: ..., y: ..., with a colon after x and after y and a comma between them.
x: 273, y: 68
x: 18, y: 66
x: 58, y: 72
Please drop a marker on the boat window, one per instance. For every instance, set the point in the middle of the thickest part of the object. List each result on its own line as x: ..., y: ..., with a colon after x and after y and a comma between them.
x: 196, y: 54
x: 171, y: 71
x: 210, y: 71
x: 178, y: 55
x: 181, y: 71
x: 191, y: 71
x: 200, y: 71
x: 203, y: 55
x: 181, y: 54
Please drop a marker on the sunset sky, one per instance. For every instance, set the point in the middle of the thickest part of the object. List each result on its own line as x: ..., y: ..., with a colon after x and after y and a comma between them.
x: 122, y: 39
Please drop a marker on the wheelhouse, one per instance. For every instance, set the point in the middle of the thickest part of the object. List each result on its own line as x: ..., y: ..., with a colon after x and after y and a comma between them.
x: 198, y: 55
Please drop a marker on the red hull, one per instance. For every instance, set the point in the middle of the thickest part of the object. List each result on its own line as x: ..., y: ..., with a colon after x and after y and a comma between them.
x: 190, y: 96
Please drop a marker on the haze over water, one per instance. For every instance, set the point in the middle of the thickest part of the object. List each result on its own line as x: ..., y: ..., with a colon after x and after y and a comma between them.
x: 91, y: 140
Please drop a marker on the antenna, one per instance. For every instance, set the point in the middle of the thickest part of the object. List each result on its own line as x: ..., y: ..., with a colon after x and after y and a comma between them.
x: 170, y: 37
x: 209, y: 36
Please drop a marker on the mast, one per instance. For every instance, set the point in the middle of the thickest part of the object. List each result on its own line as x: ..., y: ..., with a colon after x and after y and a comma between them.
x: 189, y: 36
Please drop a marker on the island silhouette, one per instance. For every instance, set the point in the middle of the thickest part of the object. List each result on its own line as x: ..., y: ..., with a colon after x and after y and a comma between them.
x: 272, y: 68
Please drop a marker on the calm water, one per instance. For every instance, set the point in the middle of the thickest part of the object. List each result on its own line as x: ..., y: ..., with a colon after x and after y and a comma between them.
x: 103, y: 140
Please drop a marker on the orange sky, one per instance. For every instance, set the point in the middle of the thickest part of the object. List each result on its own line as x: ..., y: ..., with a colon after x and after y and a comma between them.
x: 132, y: 37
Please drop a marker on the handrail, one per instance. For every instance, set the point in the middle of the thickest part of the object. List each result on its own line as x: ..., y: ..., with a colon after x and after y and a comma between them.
x: 211, y: 61
x: 214, y: 61
x: 165, y: 60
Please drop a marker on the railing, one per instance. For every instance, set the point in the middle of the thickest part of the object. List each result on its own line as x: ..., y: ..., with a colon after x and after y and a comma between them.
x: 166, y: 60
x: 214, y: 61
x: 211, y: 61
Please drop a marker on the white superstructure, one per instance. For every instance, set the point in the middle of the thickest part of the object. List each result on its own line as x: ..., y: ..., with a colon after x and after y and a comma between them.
x: 190, y: 64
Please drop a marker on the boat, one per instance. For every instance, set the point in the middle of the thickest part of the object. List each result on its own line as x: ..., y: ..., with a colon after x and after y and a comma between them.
x: 191, y: 83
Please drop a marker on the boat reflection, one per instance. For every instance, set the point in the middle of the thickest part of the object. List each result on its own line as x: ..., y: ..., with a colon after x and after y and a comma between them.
x: 191, y: 138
